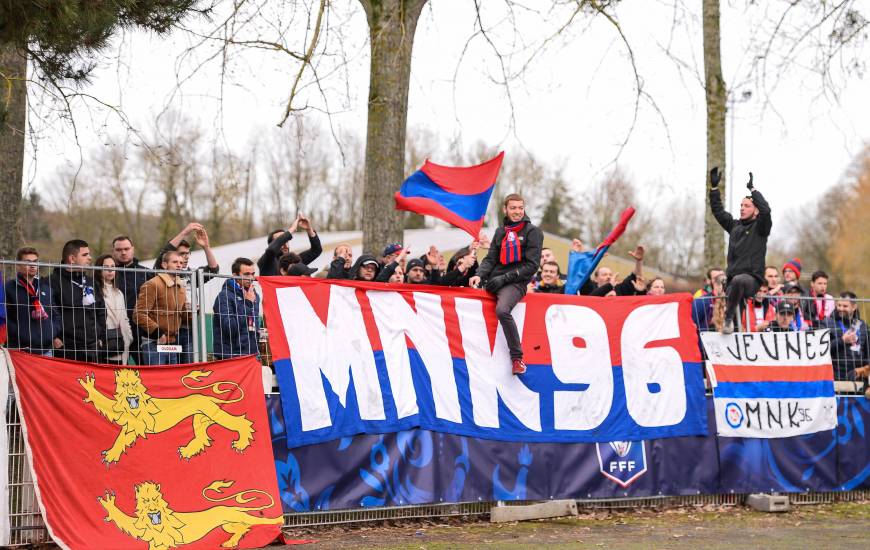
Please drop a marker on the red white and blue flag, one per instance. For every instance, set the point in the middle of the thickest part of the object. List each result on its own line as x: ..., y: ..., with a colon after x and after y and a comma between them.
x: 771, y: 384
x: 582, y: 264
x: 457, y: 195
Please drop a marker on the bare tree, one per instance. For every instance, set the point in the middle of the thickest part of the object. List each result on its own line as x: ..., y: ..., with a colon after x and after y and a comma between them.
x: 13, y: 106
x: 716, y: 95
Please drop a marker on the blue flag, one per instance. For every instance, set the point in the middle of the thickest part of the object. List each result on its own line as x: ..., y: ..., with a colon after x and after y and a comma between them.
x: 582, y: 264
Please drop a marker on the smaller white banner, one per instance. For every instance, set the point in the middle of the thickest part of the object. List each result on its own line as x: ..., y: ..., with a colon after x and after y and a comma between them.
x: 771, y: 384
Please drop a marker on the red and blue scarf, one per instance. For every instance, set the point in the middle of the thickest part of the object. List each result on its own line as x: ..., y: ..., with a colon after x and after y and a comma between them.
x: 511, y: 247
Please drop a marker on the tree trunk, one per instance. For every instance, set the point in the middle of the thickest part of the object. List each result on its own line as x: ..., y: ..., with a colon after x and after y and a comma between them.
x: 392, y: 24
x: 13, y: 110
x: 714, y: 239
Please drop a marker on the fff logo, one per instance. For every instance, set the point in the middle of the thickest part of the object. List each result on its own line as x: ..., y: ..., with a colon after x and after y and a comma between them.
x: 623, y: 462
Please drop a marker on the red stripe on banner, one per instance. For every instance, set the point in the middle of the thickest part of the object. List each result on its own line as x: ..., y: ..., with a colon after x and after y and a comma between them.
x: 769, y: 373
x: 369, y: 320
x: 451, y: 323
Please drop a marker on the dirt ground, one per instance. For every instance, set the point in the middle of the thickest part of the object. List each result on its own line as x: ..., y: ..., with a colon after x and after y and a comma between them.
x: 841, y: 525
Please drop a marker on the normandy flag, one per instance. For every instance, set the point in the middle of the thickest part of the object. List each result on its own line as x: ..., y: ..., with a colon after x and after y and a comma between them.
x: 153, y: 457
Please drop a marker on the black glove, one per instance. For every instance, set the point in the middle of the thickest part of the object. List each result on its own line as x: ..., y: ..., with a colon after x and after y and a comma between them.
x: 493, y: 285
x: 510, y: 277
x: 749, y: 184
x: 715, y: 177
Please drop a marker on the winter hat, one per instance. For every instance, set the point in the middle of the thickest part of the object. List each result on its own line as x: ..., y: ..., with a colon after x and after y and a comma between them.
x: 416, y: 262
x: 392, y: 249
x: 794, y: 265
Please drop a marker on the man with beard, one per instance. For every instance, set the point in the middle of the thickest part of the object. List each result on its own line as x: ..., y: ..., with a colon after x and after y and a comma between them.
x: 510, y: 264
x: 80, y: 310
x: 850, y: 344
x: 129, y: 282
x: 747, y: 246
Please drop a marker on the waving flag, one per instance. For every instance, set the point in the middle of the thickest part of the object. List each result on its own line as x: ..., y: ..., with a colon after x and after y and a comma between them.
x: 457, y: 195
x: 582, y: 264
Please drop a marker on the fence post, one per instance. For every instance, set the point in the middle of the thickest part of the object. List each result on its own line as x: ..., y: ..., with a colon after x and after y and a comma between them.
x: 195, y: 308
x: 201, y: 315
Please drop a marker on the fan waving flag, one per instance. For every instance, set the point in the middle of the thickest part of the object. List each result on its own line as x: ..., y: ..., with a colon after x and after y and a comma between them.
x: 457, y: 195
x: 582, y: 264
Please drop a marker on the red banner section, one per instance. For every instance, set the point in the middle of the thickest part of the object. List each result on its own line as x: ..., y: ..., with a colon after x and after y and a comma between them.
x: 157, y: 457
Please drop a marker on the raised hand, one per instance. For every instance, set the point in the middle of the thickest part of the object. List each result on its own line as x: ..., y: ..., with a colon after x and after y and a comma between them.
x: 201, y: 237
x: 577, y: 245
x: 432, y: 256
x: 191, y: 227
x: 474, y: 282
x: 295, y: 224
x: 715, y: 177
x: 749, y: 184
x: 637, y: 253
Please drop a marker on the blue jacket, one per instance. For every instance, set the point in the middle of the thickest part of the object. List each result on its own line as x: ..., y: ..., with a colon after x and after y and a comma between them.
x: 24, y: 331
x: 234, y: 316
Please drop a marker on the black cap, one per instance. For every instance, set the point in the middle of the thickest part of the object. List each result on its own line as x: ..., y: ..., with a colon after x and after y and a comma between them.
x: 792, y: 287
x: 785, y: 307
x: 300, y: 270
x: 416, y: 262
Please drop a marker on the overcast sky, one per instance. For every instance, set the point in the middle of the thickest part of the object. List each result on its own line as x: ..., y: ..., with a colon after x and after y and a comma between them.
x: 572, y: 107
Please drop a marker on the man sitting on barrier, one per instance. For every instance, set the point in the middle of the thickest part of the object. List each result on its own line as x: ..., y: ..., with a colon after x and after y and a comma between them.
x: 511, y: 263
x: 747, y: 246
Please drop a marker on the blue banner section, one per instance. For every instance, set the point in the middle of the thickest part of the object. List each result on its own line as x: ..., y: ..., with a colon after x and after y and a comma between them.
x: 617, y: 423
x: 420, y: 467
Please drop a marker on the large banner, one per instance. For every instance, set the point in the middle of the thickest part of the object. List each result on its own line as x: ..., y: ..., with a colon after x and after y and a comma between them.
x: 368, y: 358
x: 422, y: 467
x: 772, y: 384
x: 158, y: 457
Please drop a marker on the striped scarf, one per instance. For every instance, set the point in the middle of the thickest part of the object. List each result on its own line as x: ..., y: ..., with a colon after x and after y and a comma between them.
x: 511, y: 247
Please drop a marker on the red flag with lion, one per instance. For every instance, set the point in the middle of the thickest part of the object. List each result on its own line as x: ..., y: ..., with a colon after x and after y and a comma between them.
x: 150, y: 458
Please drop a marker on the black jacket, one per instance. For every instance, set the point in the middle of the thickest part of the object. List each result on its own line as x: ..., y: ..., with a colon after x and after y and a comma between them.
x: 747, y: 247
x: 844, y: 358
x: 337, y: 269
x: 24, y: 331
x: 520, y: 272
x: 267, y: 264
x: 382, y: 273
x: 128, y: 283
x: 80, y: 324
x: 550, y: 289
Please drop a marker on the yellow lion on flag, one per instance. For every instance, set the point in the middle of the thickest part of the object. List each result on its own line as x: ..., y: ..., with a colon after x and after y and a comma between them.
x: 138, y: 414
x: 163, y: 528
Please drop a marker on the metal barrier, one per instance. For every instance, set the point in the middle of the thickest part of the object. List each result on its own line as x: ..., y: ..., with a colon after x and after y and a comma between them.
x: 214, y: 316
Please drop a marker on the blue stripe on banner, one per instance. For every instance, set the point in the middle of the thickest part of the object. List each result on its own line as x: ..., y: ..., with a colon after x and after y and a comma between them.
x: 469, y: 207
x: 774, y: 390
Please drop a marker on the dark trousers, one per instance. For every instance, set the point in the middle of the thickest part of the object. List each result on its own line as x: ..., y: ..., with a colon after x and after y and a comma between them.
x: 508, y: 296
x: 85, y: 353
x: 740, y: 288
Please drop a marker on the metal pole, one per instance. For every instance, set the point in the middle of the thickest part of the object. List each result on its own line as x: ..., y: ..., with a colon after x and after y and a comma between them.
x: 196, y: 307
x: 202, y: 324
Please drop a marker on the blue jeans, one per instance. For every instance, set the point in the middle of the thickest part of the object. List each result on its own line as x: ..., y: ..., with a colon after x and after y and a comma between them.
x: 150, y: 356
x: 185, y: 340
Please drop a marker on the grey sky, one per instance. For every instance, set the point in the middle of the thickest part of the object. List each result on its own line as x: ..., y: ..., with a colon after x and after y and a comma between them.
x: 573, y: 106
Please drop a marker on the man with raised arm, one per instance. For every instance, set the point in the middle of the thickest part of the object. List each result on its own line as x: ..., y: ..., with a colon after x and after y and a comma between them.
x: 512, y: 261
x: 747, y: 245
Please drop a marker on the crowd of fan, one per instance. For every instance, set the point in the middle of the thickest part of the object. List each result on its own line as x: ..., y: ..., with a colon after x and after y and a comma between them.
x: 116, y: 316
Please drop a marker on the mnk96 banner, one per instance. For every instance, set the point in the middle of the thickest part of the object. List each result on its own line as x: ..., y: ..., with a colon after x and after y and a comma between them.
x: 158, y: 457
x: 371, y: 358
x: 772, y: 384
